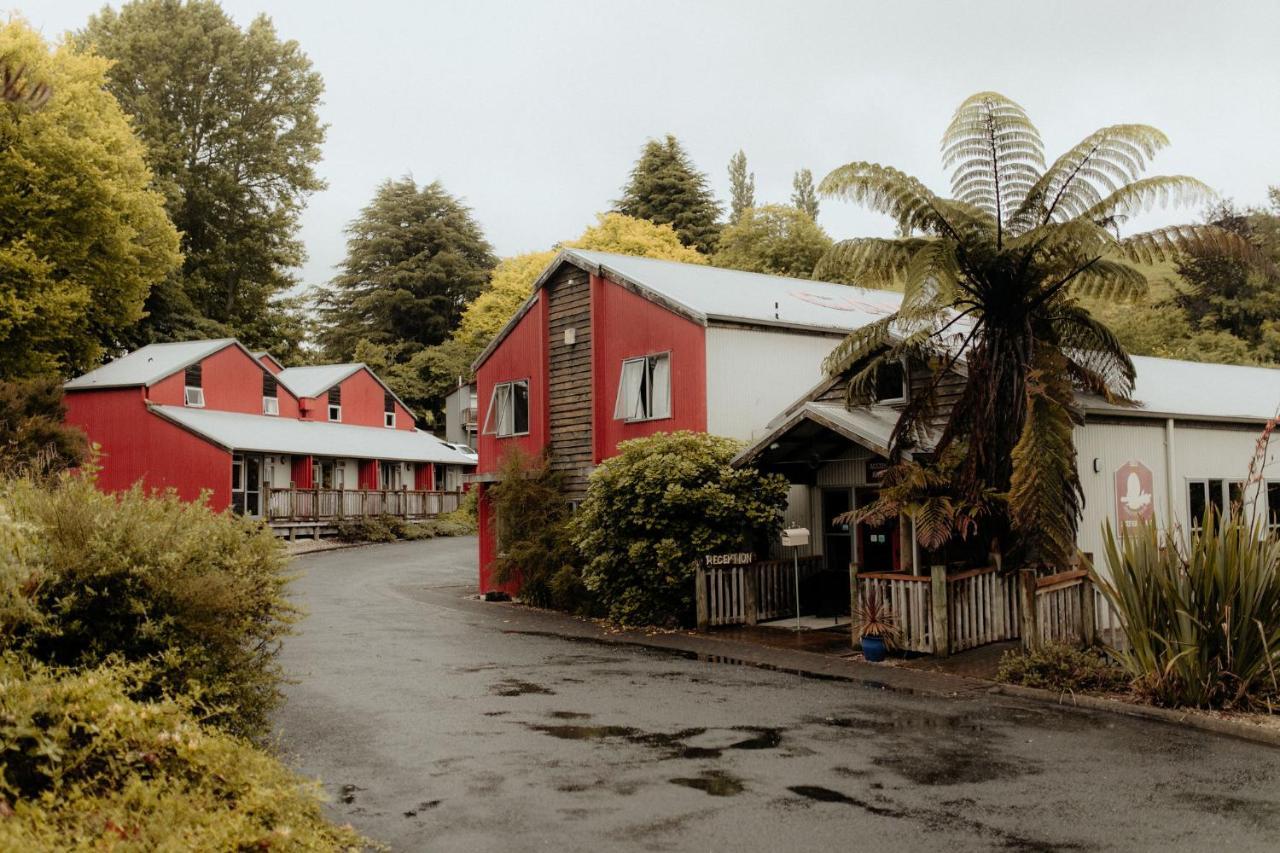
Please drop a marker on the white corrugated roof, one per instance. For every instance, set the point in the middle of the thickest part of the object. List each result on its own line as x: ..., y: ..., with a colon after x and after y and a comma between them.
x: 315, y: 380
x: 1192, y: 389
x: 238, y: 431
x: 720, y: 294
x: 149, y: 365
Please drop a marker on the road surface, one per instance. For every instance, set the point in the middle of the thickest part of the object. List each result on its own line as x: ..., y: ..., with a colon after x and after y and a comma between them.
x: 437, y: 722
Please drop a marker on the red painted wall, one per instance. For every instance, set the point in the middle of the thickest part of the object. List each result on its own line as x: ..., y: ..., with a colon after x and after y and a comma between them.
x: 270, y: 364
x: 362, y: 403
x: 623, y: 326
x: 522, y: 355
x: 137, y: 445
x: 232, y: 382
x: 368, y: 474
x: 424, y: 476
x: 489, y: 548
x: 302, y: 474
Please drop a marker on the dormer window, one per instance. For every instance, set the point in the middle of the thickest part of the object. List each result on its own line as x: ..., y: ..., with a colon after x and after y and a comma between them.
x: 193, y: 390
x: 270, y: 395
x: 389, y: 411
x: 891, y: 383
x: 335, y: 404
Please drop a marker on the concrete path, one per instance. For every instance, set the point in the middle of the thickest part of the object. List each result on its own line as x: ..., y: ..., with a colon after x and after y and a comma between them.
x: 438, y: 722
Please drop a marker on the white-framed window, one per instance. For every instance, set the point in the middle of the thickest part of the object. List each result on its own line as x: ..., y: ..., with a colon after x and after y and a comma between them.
x: 891, y: 383
x: 644, y: 392
x: 335, y: 404
x: 270, y: 395
x: 508, y: 413
x: 1221, y: 495
x: 193, y: 387
x: 270, y: 406
x: 390, y: 420
x: 388, y: 411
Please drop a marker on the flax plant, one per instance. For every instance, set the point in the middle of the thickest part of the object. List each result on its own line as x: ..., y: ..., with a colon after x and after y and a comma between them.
x: 1202, y: 623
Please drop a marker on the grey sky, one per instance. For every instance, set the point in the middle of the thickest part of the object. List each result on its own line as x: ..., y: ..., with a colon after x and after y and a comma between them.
x: 535, y: 111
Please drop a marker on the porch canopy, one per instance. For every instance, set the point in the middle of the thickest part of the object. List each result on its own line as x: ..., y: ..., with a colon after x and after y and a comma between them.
x: 814, y: 433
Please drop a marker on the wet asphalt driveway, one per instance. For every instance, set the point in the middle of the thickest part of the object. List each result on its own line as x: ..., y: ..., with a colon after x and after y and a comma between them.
x: 438, y: 723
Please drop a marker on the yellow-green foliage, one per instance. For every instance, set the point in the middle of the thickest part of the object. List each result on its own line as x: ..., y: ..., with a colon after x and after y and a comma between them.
x: 84, y: 237
x: 87, y: 577
x: 86, y: 767
x: 776, y: 239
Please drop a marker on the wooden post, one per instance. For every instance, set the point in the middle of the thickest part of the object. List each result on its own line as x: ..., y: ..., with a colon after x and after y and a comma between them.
x: 750, y: 593
x: 941, y: 628
x: 1088, y: 619
x: 853, y: 602
x: 700, y: 599
x: 1028, y: 622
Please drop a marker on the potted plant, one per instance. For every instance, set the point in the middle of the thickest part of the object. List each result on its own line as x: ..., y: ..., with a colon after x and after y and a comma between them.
x: 877, y: 630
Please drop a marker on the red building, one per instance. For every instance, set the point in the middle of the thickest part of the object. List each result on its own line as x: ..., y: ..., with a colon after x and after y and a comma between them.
x: 297, y: 445
x: 612, y: 347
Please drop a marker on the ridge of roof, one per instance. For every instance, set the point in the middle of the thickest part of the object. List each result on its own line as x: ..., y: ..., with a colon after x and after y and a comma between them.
x: 151, y: 363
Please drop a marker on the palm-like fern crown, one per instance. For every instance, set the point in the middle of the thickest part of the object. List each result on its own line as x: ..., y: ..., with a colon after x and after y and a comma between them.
x: 992, y: 275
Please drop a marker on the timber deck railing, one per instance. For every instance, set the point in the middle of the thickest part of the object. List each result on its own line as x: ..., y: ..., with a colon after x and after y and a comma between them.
x: 316, y: 505
x: 750, y: 593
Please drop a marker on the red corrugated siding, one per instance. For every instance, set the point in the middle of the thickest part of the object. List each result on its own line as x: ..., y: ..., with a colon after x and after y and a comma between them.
x: 625, y: 326
x: 302, y: 474
x: 362, y: 403
x: 489, y: 548
x: 137, y: 445
x: 368, y: 475
x: 232, y: 382
x: 424, y: 476
x: 522, y: 355
x: 270, y: 364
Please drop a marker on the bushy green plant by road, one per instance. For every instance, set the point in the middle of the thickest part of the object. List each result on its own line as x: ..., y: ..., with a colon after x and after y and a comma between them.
x: 656, y: 509
x: 1062, y: 667
x: 389, y: 528
x: 86, y: 767
x: 1202, y: 621
x: 198, y: 596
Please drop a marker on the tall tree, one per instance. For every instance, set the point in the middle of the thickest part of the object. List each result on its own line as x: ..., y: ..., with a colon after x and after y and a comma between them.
x: 83, y: 237
x: 776, y: 239
x: 666, y: 189
x: 415, y: 257
x: 742, y: 187
x: 993, y: 276
x: 803, y: 195
x: 229, y: 116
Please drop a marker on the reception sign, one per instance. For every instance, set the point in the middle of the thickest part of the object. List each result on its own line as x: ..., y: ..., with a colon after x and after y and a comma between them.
x: 1135, y: 490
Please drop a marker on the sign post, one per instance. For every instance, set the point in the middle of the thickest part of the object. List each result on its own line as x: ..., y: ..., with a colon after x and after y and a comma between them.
x: 794, y: 538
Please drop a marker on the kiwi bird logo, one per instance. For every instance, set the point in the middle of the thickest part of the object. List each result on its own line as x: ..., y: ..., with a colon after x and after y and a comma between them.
x: 1134, y: 498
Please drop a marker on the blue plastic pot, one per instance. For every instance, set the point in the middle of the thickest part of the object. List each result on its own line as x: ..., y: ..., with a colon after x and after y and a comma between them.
x: 873, y: 649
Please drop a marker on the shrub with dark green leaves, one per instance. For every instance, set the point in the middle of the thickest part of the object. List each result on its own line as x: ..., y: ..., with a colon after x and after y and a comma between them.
x: 1063, y: 668
x: 84, y: 766
x: 656, y: 509
x: 197, y: 595
x: 1202, y: 621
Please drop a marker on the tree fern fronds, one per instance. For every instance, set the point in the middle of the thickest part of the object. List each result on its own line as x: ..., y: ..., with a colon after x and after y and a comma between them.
x: 1165, y: 244
x: 1111, y: 280
x: 859, y: 344
x: 991, y: 138
x: 869, y: 261
x: 1142, y: 195
x: 886, y: 190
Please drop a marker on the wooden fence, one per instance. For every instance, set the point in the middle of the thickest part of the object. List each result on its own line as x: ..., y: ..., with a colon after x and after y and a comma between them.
x: 909, y: 600
x: 302, y: 505
x: 750, y: 593
x: 982, y: 608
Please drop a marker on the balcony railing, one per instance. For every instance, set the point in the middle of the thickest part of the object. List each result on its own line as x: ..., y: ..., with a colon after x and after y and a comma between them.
x: 332, y: 504
x: 470, y: 416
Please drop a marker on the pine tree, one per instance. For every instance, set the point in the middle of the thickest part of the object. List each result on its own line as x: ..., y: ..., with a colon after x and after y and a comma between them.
x: 666, y: 189
x: 742, y: 187
x: 803, y: 195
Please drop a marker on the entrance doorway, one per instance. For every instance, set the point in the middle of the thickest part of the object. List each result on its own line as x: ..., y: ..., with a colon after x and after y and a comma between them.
x: 827, y: 592
x: 246, y: 484
x: 877, y: 546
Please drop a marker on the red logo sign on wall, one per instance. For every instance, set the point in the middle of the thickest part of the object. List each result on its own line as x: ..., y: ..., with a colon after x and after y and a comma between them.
x: 1135, y: 501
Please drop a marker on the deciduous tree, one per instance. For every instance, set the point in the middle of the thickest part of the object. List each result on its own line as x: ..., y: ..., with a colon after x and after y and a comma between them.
x: 803, y: 195
x: 742, y: 187
x: 230, y: 120
x: 666, y: 189
x: 776, y: 239
x: 83, y: 237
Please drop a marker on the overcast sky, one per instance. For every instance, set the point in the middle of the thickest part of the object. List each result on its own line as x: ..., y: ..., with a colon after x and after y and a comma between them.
x: 534, y: 112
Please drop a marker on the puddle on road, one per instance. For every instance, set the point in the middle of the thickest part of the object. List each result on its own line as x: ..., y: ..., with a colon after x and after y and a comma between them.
x: 422, y: 807
x: 672, y: 745
x: 715, y: 783
x: 568, y: 715
x: 516, y: 687
x: 347, y: 793
x: 827, y: 795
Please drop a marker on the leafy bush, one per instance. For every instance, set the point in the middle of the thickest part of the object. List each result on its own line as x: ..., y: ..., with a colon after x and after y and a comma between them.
x: 1063, y: 668
x: 84, y: 766
x: 34, y: 438
x: 1202, y: 622
x: 198, y: 595
x: 389, y: 528
x: 656, y: 509
x: 534, y: 541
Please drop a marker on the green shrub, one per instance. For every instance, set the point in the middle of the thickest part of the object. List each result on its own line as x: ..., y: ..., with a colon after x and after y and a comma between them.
x: 656, y: 509
x: 198, y: 595
x: 1062, y: 668
x: 1202, y: 622
x: 389, y: 528
x: 86, y: 767
x: 533, y: 538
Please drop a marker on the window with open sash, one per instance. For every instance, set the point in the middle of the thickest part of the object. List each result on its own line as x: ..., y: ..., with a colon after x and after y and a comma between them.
x: 1219, y: 495
x: 891, y: 383
x: 270, y: 395
x: 508, y: 413
x: 644, y: 393
x: 335, y: 404
x: 193, y: 386
x: 389, y: 410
